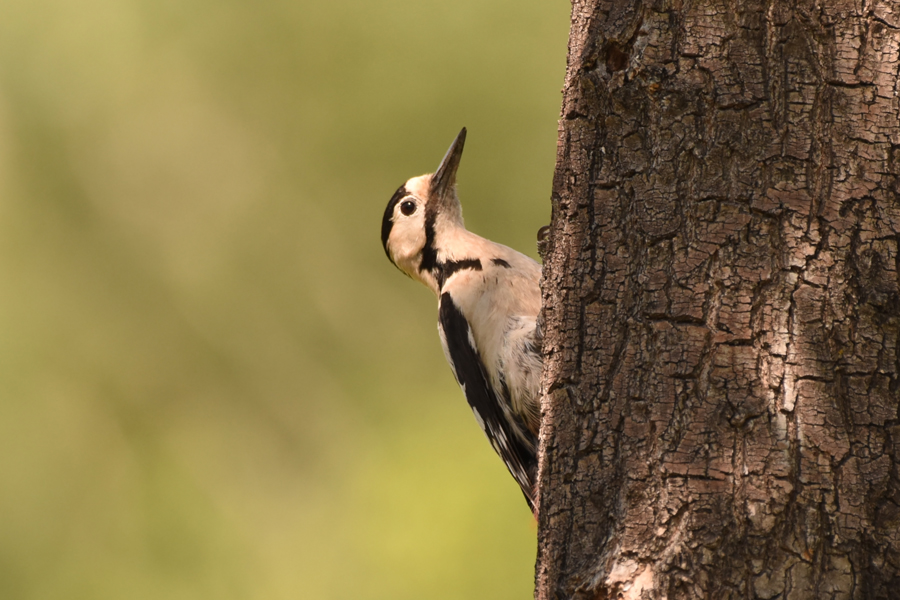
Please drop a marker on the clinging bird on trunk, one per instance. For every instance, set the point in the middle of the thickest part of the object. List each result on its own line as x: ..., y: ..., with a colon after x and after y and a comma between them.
x: 488, y: 304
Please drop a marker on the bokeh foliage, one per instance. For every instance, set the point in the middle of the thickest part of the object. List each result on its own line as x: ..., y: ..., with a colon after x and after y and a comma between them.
x: 212, y: 382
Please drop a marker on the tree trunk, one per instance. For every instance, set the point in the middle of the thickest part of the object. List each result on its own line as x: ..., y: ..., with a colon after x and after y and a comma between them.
x: 722, y: 304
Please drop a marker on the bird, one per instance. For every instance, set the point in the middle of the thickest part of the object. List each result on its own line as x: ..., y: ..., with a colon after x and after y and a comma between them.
x: 489, y: 301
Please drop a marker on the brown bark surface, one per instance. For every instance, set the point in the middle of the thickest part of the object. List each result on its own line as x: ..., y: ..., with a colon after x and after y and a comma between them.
x: 722, y: 304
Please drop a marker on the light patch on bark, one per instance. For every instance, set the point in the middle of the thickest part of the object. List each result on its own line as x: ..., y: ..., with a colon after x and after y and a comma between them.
x: 628, y: 579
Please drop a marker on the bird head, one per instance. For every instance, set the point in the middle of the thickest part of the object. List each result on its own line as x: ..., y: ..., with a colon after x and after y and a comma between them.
x: 419, y: 212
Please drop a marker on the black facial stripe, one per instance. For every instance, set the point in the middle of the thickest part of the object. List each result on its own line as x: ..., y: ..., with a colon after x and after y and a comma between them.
x: 501, y: 263
x: 387, y: 222
x: 429, y: 252
x: 452, y: 266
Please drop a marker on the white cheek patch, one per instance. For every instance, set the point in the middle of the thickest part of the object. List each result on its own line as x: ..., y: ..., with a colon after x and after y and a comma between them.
x: 407, y: 239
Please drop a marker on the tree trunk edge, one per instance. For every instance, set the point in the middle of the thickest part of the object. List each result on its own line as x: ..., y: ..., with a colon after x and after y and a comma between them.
x: 795, y: 460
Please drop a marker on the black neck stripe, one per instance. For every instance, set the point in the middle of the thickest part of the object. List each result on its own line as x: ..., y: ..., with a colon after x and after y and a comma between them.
x: 452, y: 266
x: 388, y: 221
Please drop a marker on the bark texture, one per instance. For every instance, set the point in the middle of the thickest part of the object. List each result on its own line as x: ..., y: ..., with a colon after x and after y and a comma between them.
x: 722, y: 304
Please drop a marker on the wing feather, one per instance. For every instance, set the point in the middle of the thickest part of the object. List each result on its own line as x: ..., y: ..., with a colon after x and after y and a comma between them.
x: 469, y: 370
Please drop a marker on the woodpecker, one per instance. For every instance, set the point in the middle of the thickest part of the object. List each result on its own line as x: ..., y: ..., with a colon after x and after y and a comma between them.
x: 488, y: 303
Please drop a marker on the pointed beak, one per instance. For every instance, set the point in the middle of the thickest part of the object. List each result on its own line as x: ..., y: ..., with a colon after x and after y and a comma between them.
x: 444, y: 179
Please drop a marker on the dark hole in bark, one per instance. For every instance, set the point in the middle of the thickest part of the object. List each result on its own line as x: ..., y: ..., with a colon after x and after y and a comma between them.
x: 616, y: 57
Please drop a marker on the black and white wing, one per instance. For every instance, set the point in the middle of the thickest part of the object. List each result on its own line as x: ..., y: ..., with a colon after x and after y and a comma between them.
x: 459, y: 344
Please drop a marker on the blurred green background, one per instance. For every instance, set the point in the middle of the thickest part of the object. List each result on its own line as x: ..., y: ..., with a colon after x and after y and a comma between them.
x: 212, y: 382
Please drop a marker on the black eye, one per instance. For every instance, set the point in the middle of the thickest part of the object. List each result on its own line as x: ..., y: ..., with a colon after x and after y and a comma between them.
x: 407, y: 207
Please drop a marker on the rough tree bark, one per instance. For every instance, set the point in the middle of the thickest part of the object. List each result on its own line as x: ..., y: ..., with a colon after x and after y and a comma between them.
x: 722, y: 304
